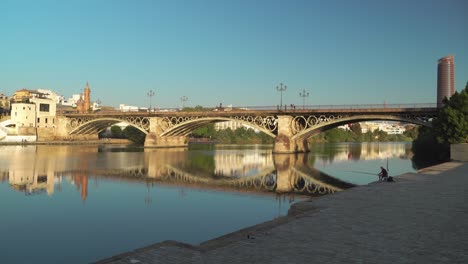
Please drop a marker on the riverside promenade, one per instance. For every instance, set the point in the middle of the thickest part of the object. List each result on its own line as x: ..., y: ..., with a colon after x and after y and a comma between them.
x: 420, y: 218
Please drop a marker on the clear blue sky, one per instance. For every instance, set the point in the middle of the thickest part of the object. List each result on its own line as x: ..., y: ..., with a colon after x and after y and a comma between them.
x: 233, y: 52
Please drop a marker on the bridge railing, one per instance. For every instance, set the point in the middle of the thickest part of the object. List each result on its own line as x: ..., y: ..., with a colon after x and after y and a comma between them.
x: 272, y: 108
x: 350, y: 106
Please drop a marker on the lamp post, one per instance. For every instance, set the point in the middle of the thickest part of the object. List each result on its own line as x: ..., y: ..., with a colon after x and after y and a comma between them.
x: 183, y: 99
x: 150, y: 94
x: 280, y: 88
x: 303, y: 94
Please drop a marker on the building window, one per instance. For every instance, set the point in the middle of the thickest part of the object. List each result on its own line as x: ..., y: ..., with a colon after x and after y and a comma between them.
x: 46, y: 120
x: 44, y: 107
x: 38, y: 120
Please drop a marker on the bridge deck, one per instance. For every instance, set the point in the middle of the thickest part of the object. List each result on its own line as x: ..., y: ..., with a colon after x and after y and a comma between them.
x: 257, y: 112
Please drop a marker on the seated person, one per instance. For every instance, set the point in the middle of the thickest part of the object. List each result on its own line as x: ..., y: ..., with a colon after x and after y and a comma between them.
x: 383, y: 175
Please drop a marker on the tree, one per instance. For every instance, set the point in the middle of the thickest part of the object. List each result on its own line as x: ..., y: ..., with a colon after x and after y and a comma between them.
x: 357, y: 131
x: 116, y: 132
x: 411, y: 132
x: 451, y: 124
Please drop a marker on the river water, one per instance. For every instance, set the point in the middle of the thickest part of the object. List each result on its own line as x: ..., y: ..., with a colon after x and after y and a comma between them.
x: 79, y: 204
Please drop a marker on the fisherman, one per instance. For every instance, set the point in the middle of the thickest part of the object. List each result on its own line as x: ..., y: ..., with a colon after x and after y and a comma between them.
x: 383, y: 175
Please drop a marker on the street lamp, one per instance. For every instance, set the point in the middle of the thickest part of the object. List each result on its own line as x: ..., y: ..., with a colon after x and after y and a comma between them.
x: 303, y: 94
x: 183, y: 99
x: 150, y: 94
x: 280, y: 89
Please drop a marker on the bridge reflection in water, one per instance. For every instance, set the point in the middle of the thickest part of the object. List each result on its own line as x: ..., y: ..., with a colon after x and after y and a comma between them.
x: 38, y: 169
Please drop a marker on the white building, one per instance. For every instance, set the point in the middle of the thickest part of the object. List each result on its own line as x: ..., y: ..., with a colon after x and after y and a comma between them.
x: 233, y: 125
x: 388, y: 127
x: 59, y: 99
x: 72, y: 100
x: 128, y: 108
x: 38, y: 113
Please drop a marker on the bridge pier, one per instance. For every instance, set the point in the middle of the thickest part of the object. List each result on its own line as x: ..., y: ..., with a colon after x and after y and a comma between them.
x: 284, y: 142
x: 155, y: 141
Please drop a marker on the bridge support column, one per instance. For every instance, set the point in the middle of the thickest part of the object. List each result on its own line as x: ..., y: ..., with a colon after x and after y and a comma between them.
x: 284, y: 142
x: 154, y: 138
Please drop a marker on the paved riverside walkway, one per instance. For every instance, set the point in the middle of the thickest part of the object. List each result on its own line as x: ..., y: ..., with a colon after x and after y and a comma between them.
x: 420, y: 218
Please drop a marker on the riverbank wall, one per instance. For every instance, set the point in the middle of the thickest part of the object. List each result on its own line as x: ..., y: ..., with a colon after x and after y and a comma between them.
x: 28, y: 141
x: 459, y: 152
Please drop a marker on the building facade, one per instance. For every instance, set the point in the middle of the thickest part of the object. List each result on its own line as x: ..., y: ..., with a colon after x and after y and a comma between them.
x: 445, y: 79
x: 29, y: 114
x: 4, y: 104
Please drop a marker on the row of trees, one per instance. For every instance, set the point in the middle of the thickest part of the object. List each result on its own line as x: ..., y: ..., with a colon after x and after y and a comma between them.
x: 228, y: 136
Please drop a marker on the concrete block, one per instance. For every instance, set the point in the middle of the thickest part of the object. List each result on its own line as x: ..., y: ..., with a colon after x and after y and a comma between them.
x: 459, y: 152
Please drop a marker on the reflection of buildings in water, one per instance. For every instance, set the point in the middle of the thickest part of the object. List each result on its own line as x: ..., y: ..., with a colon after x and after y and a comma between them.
x: 24, y: 178
x: 81, y: 182
x: 367, y: 151
x: 32, y: 169
x: 3, y: 176
x: 241, y: 164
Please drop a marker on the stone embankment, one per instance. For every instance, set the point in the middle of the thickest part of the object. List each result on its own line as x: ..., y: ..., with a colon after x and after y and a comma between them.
x: 76, y: 142
x: 420, y: 218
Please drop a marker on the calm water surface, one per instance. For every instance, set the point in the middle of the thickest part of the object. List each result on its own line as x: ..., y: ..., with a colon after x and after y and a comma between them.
x: 78, y: 204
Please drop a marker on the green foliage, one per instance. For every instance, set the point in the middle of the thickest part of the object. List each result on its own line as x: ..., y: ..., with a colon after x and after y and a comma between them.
x: 134, y: 134
x: 451, y: 124
x: 228, y: 136
x: 204, y: 132
x: 116, y: 132
x: 427, y: 151
x: 197, y: 108
x: 411, y: 132
x: 356, y: 129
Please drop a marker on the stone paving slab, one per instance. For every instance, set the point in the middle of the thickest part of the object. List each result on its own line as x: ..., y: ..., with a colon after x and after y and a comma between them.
x: 420, y: 218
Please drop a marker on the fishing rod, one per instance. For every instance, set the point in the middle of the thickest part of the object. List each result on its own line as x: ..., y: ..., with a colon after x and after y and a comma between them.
x: 362, y: 172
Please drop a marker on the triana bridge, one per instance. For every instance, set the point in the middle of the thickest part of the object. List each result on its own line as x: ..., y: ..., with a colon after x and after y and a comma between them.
x: 290, y: 128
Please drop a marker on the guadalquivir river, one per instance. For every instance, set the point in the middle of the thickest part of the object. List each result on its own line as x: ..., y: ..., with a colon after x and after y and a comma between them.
x: 79, y: 204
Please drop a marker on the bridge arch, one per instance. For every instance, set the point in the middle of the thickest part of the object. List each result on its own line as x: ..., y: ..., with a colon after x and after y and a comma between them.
x: 96, y: 126
x: 327, y: 124
x: 185, y: 127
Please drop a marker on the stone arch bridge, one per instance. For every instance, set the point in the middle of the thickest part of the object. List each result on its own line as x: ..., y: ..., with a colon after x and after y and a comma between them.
x: 290, y: 129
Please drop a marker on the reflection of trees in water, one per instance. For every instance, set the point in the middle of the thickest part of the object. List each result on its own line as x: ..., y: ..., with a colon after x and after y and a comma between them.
x: 330, y: 153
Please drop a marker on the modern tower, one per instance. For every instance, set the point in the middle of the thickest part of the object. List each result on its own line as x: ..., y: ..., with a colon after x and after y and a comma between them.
x: 87, y: 98
x: 445, y: 79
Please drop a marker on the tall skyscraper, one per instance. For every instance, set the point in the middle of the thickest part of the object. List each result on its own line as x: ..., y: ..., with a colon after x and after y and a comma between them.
x: 445, y: 79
